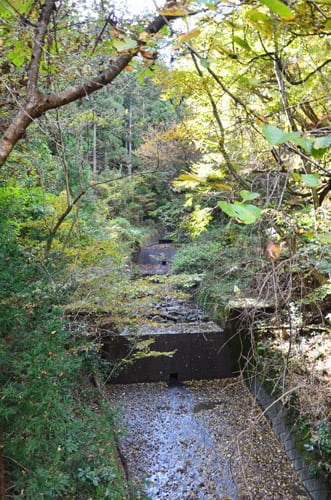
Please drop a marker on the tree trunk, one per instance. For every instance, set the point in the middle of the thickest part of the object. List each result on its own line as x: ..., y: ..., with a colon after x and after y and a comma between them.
x: 14, y: 133
x: 94, y: 149
x: 62, y: 155
x: 130, y: 139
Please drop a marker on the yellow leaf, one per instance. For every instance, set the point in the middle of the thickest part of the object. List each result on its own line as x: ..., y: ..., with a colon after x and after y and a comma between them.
x: 174, y: 11
x: 143, y: 35
x: 185, y: 37
x: 261, y: 119
x: 222, y: 50
x: 222, y: 186
x: 188, y: 177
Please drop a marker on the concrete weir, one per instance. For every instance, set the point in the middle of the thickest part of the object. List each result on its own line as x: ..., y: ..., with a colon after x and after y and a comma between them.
x: 156, y: 258
x: 198, y: 346
x: 200, y: 351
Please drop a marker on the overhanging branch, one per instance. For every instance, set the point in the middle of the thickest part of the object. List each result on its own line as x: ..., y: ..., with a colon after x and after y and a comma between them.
x: 37, y: 103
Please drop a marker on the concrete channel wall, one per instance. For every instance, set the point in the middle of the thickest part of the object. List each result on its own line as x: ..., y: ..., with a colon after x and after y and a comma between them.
x: 274, y: 411
x: 277, y: 416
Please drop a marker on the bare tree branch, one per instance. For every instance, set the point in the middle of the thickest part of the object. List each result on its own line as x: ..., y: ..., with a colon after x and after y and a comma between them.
x: 281, y: 67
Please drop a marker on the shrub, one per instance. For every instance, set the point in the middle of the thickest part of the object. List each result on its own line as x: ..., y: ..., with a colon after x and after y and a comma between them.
x: 54, y: 446
x: 197, y: 256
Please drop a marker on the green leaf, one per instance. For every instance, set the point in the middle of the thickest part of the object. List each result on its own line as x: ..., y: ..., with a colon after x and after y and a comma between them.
x: 273, y: 135
x: 127, y: 44
x: 276, y: 135
x: 328, y: 24
x: 253, y: 81
x: 279, y: 8
x: 23, y: 7
x: 227, y: 208
x: 296, y: 176
x: 260, y: 21
x: 243, y: 213
x: 241, y: 42
x: 257, y: 15
x: 15, y: 6
x: 204, y: 62
x: 324, y: 238
x: 149, y: 72
x: 310, y: 179
x: 254, y: 210
x: 296, y: 137
x: 307, y: 179
x: 322, y: 142
x: 246, y: 213
x: 247, y: 195
x: 16, y: 57
x: 318, y: 153
x: 141, y: 76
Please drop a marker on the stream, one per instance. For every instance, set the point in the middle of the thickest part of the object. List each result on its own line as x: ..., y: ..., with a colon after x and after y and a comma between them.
x: 199, y: 439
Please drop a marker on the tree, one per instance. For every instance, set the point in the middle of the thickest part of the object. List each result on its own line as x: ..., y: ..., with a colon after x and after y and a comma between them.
x: 248, y: 74
x: 245, y: 83
x: 42, y: 30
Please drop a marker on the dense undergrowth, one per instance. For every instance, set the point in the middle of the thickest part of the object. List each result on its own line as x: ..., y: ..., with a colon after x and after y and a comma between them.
x: 58, y: 433
x: 231, y: 258
x: 66, y: 239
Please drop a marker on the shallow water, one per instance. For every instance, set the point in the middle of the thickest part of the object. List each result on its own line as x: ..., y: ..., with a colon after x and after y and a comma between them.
x: 201, y: 440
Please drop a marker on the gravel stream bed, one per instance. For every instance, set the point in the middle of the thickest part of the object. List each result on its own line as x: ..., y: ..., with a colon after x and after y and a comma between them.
x: 201, y: 440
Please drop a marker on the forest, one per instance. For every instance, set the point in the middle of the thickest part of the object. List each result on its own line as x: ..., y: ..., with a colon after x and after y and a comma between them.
x: 205, y: 120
